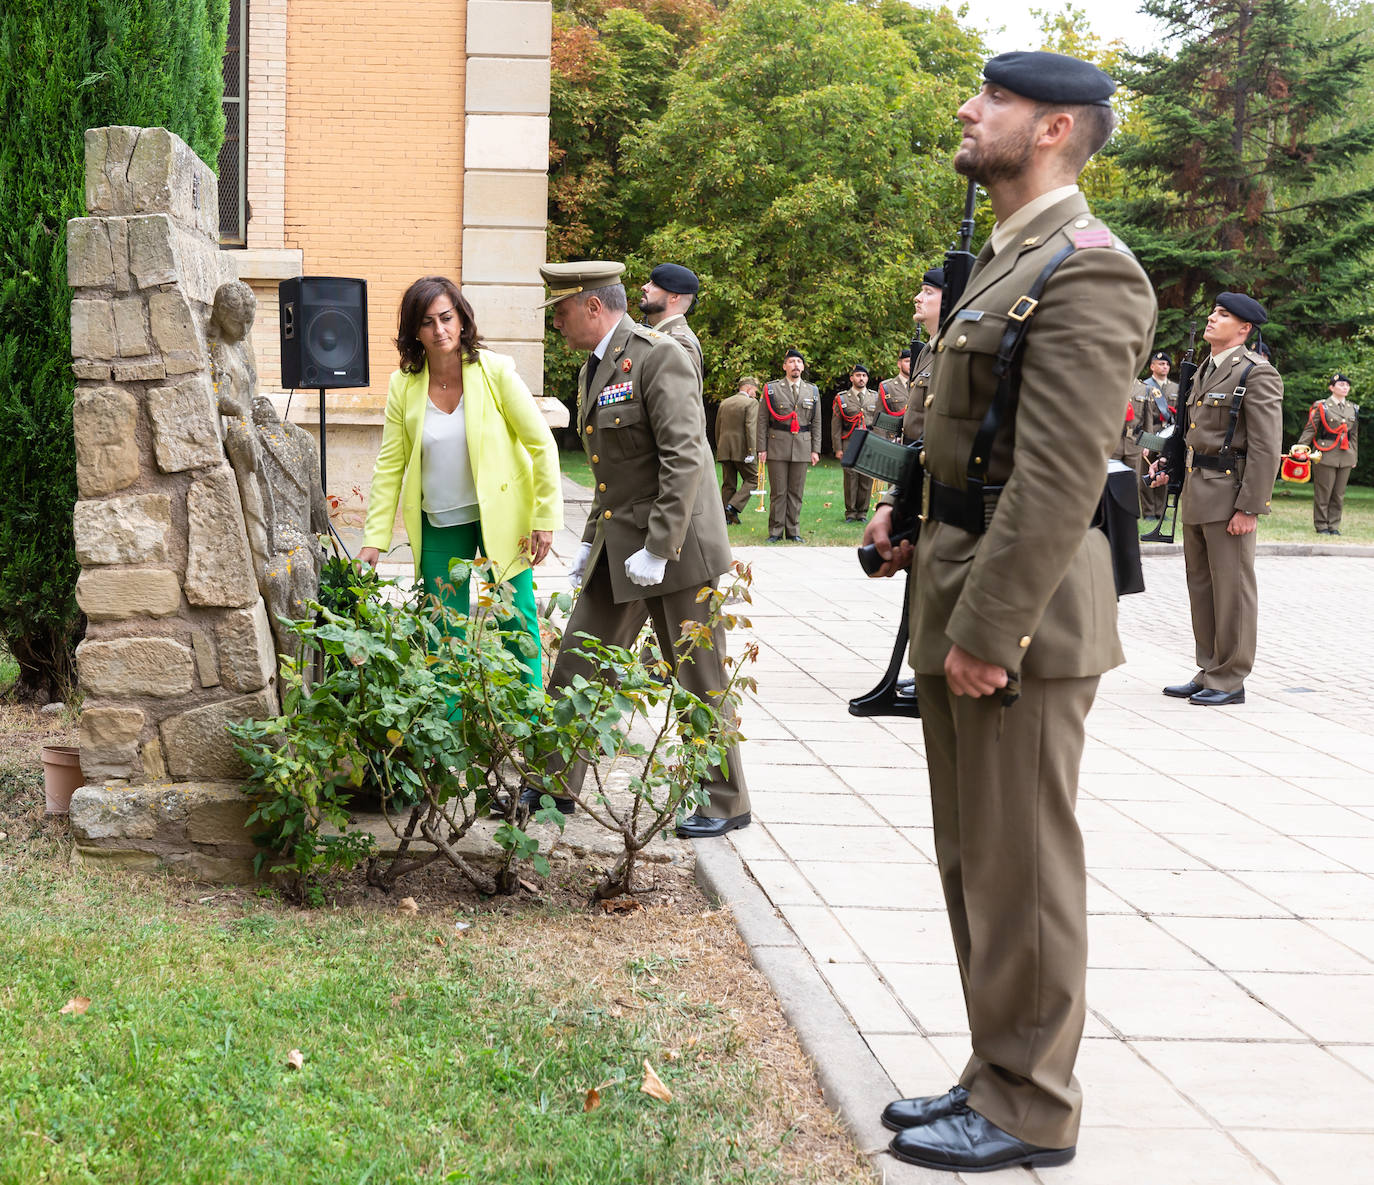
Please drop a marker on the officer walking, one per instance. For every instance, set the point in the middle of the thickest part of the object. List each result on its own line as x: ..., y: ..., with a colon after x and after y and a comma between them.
x: 665, y: 302
x: 1013, y: 605
x: 737, y: 421
x: 1332, y: 424
x: 655, y: 535
x: 854, y: 408
x: 790, y: 432
x: 1234, y: 423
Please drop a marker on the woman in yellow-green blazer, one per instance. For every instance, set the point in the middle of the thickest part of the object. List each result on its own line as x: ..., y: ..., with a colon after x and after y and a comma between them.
x: 466, y: 452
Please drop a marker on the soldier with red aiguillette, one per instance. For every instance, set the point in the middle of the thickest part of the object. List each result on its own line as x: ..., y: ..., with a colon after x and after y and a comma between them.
x: 1332, y: 424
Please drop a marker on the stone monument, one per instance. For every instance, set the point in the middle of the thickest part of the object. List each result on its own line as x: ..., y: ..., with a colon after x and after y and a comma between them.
x: 194, y: 519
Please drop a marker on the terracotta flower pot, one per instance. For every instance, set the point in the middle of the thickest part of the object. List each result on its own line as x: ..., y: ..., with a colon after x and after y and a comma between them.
x: 61, y: 776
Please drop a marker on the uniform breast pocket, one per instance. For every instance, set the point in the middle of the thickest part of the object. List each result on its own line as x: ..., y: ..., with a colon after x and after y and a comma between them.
x: 622, y: 430
x: 1212, y: 411
x: 962, y: 376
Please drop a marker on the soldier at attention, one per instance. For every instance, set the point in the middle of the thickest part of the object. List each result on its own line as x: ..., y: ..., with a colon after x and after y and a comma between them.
x: 655, y: 535
x: 1332, y: 425
x: 1013, y: 604
x: 1234, y: 423
x: 790, y: 433
x: 854, y: 408
x: 665, y: 302
x: 926, y: 314
x: 1161, y: 391
x: 893, y: 396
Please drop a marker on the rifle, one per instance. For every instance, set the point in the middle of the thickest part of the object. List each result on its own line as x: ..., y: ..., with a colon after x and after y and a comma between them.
x: 1173, y: 448
x: 900, y: 466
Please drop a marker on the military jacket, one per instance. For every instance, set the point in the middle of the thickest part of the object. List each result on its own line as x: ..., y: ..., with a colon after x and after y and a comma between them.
x: 1213, y: 495
x: 852, y: 409
x: 893, y: 396
x: 677, y: 328
x: 1142, y: 413
x: 914, y: 421
x: 1035, y: 592
x: 737, y: 423
x: 641, y: 421
x: 1323, y: 432
x: 778, y: 441
x: 1153, y: 390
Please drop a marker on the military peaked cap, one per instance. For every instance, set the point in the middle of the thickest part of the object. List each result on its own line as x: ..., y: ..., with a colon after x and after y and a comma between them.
x: 935, y: 277
x: 1050, y: 77
x: 1247, y: 308
x: 673, y: 277
x: 748, y: 380
x: 570, y: 279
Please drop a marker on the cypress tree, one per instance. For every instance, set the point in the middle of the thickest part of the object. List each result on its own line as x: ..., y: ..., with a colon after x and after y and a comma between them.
x: 70, y: 65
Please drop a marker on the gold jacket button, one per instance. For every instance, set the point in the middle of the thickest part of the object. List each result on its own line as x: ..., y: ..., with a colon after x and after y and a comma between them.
x: 961, y: 340
x: 606, y: 514
x: 923, y: 456
x: 617, y: 419
x: 1025, y: 641
x: 602, y: 487
x: 940, y: 349
x: 929, y: 400
x: 595, y: 458
x: 589, y: 429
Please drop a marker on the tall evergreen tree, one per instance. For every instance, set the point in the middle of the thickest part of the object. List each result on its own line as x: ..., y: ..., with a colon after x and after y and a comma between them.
x: 1236, y: 170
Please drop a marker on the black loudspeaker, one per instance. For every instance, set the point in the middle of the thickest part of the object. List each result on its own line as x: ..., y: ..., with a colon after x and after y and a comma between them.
x: 323, y: 332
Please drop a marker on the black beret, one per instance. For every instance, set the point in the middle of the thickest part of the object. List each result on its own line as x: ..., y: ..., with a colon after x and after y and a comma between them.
x: 793, y: 352
x: 1161, y: 356
x: 904, y: 354
x: 1338, y: 378
x: 1050, y: 77
x: 858, y: 366
x: 673, y: 277
x: 1247, y: 308
x: 934, y: 277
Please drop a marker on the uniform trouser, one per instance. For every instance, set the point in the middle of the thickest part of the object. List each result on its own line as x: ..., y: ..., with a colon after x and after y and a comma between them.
x: 1328, y: 495
x: 1225, y: 603
x: 439, y: 546
x: 738, y: 479
x: 595, y: 612
x: 1003, y: 784
x: 786, y: 484
x: 858, y: 493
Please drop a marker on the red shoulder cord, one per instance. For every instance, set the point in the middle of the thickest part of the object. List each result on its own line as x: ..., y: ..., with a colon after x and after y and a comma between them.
x: 882, y: 395
x: 791, y: 423
x: 851, y: 422
x: 1341, y: 432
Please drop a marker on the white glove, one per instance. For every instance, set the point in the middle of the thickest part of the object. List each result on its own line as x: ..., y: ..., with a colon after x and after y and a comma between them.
x: 645, y: 568
x: 749, y: 460
x: 579, y: 565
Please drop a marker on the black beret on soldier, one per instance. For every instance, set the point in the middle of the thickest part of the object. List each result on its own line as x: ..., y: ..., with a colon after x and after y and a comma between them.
x: 1247, y: 308
x: 1050, y: 78
x: 857, y: 367
x: 1338, y: 378
x: 793, y: 352
x: 1160, y: 356
x: 904, y: 354
x: 673, y: 277
x: 935, y: 277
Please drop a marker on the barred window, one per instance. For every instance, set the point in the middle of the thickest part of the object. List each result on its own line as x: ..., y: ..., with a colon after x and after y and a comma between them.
x: 233, y: 155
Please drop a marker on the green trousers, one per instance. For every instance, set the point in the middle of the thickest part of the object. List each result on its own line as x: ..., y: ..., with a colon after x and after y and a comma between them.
x: 442, y: 545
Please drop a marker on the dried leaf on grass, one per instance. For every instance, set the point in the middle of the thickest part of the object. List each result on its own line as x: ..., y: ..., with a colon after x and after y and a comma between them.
x: 653, y: 1085
x: 591, y: 1100
x: 621, y: 905
x: 407, y: 905
x: 76, y: 1006
x: 295, y: 1059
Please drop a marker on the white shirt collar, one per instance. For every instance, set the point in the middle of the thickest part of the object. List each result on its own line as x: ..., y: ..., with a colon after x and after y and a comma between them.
x: 600, y: 350
x: 1005, y: 232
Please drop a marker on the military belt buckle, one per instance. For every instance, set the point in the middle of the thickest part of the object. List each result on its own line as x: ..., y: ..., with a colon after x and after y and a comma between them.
x: 1023, y: 308
x: 924, y: 516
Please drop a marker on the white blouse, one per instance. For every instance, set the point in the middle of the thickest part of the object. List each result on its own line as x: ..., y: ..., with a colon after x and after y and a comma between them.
x: 448, y: 494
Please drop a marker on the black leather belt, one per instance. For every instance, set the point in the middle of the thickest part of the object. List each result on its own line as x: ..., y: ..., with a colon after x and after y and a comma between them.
x: 1201, y: 462
x: 949, y: 504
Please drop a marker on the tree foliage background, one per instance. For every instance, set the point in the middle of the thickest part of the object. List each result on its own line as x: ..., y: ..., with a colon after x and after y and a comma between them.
x: 70, y: 65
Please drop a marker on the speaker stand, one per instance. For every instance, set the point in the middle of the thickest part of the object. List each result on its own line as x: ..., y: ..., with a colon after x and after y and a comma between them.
x: 324, y: 485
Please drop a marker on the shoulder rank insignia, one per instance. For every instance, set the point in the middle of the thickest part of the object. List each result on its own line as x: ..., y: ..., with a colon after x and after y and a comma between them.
x: 616, y: 393
x: 1030, y: 242
x: 1101, y: 237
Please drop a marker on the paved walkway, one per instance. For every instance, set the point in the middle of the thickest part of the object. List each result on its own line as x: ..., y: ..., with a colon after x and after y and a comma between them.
x: 1230, y: 1031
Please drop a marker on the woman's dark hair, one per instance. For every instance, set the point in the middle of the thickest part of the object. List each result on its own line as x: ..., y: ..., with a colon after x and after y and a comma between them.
x: 415, y: 304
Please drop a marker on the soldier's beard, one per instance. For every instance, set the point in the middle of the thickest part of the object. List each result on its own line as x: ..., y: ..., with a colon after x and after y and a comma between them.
x: 989, y: 163
x: 653, y: 307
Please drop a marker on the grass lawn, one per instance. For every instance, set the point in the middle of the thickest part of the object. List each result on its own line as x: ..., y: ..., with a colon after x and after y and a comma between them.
x: 823, y: 525
x: 455, y: 1044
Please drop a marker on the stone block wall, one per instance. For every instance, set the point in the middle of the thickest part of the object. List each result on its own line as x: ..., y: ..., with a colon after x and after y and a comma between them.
x: 179, y: 643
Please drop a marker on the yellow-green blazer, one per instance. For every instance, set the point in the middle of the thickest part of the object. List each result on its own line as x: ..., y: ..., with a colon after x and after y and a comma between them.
x: 512, y: 452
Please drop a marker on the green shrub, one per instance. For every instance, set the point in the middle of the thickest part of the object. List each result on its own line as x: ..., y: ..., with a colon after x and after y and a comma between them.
x: 70, y: 65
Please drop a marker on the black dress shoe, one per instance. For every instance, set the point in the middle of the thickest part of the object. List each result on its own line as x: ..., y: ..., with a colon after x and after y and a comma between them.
x: 731, y: 515
x: 966, y: 1142
x: 774, y: 538
x: 700, y: 827
x: 793, y: 538
x: 1184, y: 690
x: 905, y: 1113
x: 1333, y: 531
x: 530, y: 796
x: 1210, y: 697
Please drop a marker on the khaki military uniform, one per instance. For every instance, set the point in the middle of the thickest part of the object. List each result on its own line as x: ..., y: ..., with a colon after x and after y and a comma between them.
x: 1221, y: 567
x: 737, y: 423
x: 677, y: 328
x: 914, y: 421
x: 789, y: 452
x: 893, y: 396
x: 853, y: 410
x: 1337, y: 453
x: 1153, y: 499
x: 640, y: 419
x: 1035, y: 595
